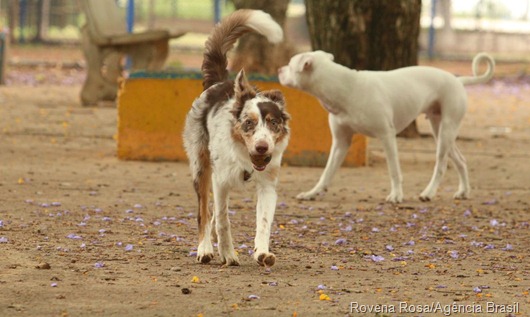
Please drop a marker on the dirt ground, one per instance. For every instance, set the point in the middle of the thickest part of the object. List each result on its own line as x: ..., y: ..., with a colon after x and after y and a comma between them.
x: 85, y: 234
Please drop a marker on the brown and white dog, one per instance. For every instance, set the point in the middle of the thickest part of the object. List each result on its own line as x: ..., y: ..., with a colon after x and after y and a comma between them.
x: 235, y: 135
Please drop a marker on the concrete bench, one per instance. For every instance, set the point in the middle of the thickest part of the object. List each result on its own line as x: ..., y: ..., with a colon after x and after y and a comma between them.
x: 105, y: 41
x: 152, y: 107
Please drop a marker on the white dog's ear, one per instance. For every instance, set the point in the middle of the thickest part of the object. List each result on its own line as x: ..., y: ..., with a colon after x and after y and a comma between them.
x: 305, y: 64
x: 331, y: 57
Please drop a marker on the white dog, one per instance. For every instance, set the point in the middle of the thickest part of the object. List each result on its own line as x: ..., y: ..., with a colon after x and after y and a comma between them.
x: 380, y: 105
x: 235, y: 135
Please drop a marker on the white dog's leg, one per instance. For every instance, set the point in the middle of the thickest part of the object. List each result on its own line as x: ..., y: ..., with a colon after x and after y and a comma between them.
x: 461, y: 167
x: 264, y: 216
x: 222, y: 224
x: 341, y: 141
x: 392, y: 161
x: 445, y: 144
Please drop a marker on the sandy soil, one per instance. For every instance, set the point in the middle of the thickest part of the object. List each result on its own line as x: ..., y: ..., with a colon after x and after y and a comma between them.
x: 84, y: 234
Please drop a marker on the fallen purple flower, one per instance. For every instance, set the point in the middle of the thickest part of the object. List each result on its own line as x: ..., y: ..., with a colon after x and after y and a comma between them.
x: 82, y: 245
x: 193, y: 253
x: 374, y: 229
x: 411, y: 242
x: 389, y: 248
x: 243, y: 246
x: 321, y: 287
x: 3, y: 240
x: 1, y: 223
x: 293, y: 222
x: 138, y: 206
x: 490, y: 202
x: 340, y: 241
x: 445, y: 228
x: 454, y: 254
x: 377, y: 258
x: 489, y: 247
x: 98, y: 210
x: 129, y: 211
x: 334, y: 268
x: 45, y: 205
x: 347, y: 228
x: 273, y: 283
x: 494, y: 222
x: 477, y: 289
x: 467, y: 213
x: 106, y: 219
x: 56, y: 204
x: 74, y: 236
x: 129, y: 247
x: 53, y: 284
x: 99, y: 265
x: 440, y: 286
x: 508, y: 247
x: 253, y: 297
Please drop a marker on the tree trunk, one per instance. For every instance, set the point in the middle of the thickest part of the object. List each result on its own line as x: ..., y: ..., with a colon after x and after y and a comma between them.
x: 367, y: 34
x: 254, y: 53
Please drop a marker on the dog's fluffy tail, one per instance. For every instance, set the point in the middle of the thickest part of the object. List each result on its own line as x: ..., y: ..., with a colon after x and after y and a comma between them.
x: 226, y: 33
x: 479, y: 79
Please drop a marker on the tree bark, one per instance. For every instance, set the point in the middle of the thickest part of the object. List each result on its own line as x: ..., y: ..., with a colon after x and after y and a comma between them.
x: 254, y: 53
x: 367, y: 34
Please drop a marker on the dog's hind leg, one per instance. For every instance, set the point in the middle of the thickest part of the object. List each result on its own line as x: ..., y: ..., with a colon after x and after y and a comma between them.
x: 461, y: 167
x: 444, y: 146
x: 264, y: 216
x: 222, y: 223
x: 341, y: 141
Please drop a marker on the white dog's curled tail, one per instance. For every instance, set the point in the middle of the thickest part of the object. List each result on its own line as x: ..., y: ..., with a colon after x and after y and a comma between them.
x: 479, y: 79
x: 226, y: 33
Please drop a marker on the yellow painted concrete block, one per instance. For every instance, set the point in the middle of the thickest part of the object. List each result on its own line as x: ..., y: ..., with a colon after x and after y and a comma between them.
x: 152, y: 111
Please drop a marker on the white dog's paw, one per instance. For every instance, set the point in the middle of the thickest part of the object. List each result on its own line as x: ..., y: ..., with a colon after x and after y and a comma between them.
x: 265, y: 259
x: 394, y: 198
x: 461, y: 194
x: 204, y: 253
x: 310, y: 195
x: 229, y: 258
x: 426, y: 196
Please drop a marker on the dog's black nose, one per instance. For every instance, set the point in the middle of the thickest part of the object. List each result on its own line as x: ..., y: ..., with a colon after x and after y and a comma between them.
x: 262, y: 148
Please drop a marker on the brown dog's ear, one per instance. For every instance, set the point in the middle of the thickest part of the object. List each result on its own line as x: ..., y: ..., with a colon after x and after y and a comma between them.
x: 242, y: 86
x: 274, y: 95
x: 243, y: 92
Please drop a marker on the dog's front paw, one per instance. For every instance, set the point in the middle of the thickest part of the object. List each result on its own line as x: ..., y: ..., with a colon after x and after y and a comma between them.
x: 394, y: 198
x: 461, y: 195
x: 310, y: 195
x: 205, y: 252
x: 265, y: 259
x: 204, y: 258
x: 229, y: 259
x: 426, y: 196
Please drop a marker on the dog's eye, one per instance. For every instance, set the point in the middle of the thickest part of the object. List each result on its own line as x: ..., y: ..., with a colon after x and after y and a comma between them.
x: 248, y: 125
x: 274, y: 122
